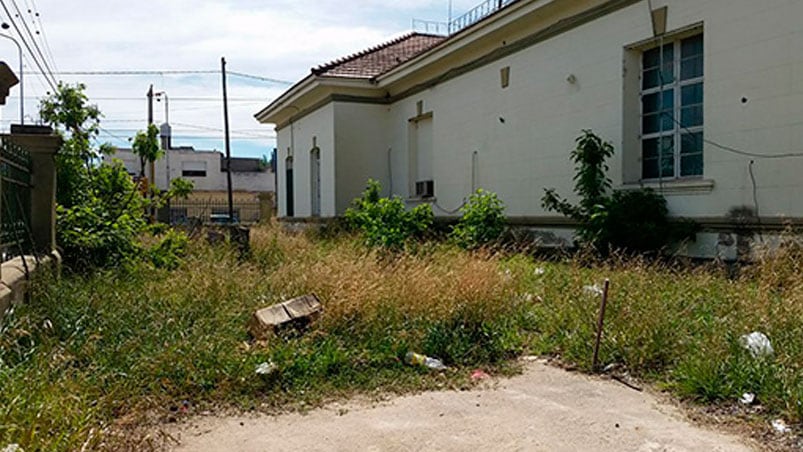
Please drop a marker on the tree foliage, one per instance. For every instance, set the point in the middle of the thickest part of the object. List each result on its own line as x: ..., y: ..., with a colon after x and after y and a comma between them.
x: 146, y: 147
x: 78, y: 123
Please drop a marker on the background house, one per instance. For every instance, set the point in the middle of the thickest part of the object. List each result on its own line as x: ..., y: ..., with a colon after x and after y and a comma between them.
x: 252, y: 182
x: 702, y: 99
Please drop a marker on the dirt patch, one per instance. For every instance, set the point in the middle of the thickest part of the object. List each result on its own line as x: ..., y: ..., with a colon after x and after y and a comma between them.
x: 543, y: 409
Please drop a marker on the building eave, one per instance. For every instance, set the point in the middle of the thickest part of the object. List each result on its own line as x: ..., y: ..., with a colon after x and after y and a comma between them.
x: 306, y: 96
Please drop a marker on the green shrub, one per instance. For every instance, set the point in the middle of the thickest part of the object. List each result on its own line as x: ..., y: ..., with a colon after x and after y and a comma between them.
x: 170, y: 251
x: 385, y: 222
x: 102, y: 229
x: 483, y: 221
x: 638, y: 221
x: 633, y: 220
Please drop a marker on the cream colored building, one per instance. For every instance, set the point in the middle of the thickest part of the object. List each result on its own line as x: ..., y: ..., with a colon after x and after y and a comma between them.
x: 499, y: 103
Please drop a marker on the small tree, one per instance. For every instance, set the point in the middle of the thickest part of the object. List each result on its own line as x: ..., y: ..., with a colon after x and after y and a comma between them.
x: 591, y: 184
x: 483, y: 221
x: 77, y: 122
x: 146, y: 146
x: 634, y: 220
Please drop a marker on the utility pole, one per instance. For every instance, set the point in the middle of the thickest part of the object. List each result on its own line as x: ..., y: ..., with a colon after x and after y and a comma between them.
x: 149, y: 96
x: 228, y: 142
x: 152, y: 169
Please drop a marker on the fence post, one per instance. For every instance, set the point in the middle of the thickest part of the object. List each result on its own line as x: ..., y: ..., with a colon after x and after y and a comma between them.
x: 42, y: 145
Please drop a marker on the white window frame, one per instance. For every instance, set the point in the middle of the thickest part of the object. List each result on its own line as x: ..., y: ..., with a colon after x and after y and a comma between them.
x: 677, y: 86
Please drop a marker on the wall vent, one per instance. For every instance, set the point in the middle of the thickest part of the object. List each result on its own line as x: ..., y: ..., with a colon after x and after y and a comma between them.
x: 425, y: 189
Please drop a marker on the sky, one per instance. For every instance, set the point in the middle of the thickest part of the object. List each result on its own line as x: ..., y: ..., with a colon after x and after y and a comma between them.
x: 280, y: 40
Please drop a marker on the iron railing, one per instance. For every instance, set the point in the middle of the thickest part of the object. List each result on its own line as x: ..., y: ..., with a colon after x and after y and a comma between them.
x: 15, y: 201
x: 206, y: 211
x: 468, y: 19
x: 431, y: 27
x: 477, y: 13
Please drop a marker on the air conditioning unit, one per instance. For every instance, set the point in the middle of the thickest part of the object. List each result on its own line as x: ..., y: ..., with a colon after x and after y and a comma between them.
x: 425, y: 189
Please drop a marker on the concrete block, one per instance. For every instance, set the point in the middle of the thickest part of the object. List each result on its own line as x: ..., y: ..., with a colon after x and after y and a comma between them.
x: 22, y: 263
x: 307, y: 306
x: 15, y: 280
x: 296, y: 313
x: 5, y: 300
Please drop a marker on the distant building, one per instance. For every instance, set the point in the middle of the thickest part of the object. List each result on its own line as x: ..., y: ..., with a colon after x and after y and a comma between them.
x: 206, y: 169
x: 252, y: 181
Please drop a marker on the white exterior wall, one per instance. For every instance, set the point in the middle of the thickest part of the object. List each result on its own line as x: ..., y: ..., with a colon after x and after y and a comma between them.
x: 362, y: 150
x: 753, y: 50
x: 297, y: 140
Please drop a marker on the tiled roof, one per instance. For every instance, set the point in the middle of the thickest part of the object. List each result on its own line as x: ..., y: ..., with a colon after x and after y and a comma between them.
x: 378, y: 60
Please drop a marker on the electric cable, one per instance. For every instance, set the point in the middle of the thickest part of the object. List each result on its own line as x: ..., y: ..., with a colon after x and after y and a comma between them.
x: 33, y: 38
x: 44, y: 73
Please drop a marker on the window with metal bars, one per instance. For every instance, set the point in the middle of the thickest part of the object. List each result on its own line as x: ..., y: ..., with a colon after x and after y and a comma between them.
x: 672, y: 81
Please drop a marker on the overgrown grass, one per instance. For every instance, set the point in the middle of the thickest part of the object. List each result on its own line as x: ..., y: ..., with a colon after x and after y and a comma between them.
x: 681, y: 328
x: 92, y: 355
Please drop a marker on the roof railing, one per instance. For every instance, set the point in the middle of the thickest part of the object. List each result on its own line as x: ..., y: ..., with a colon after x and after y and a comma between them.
x: 476, y: 14
x: 468, y: 19
x: 431, y: 27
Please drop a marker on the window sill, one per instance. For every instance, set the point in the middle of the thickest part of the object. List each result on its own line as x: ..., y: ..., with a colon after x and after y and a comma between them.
x: 420, y: 200
x: 675, y: 186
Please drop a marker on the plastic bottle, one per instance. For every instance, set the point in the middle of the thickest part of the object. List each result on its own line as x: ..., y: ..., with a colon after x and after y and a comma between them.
x: 416, y: 359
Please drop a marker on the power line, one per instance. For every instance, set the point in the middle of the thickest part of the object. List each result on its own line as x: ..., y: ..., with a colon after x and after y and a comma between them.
x: 173, y: 99
x: 35, y: 16
x: 33, y: 38
x: 102, y: 129
x: 241, y: 133
x: 723, y: 147
x: 257, y: 77
x: 174, y: 72
x: 27, y: 46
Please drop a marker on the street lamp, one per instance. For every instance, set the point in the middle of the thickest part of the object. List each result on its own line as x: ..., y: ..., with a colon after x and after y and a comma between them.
x: 159, y: 96
x: 5, y: 26
x: 165, y: 132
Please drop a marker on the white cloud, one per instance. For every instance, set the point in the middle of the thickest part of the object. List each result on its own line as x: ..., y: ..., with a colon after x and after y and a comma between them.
x: 279, y: 39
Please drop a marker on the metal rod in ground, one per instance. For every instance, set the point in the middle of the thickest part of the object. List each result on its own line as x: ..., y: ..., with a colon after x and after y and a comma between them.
x: 600, y: 324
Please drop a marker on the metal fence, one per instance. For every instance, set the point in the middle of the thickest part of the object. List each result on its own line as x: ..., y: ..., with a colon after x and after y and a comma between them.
x: 15, y: 201
x: 477, y: 13
x: 431, y: 27
x: 206, y: 211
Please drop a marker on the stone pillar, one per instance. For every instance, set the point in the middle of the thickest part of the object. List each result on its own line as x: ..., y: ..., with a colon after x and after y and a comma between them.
x: 42, y: 145
x: 266, y: 206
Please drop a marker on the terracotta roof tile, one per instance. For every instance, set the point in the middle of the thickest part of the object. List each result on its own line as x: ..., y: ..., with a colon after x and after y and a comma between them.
x: 378, y: 60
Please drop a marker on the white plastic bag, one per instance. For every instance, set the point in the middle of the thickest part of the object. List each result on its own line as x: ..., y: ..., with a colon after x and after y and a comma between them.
x: 758, y: 344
